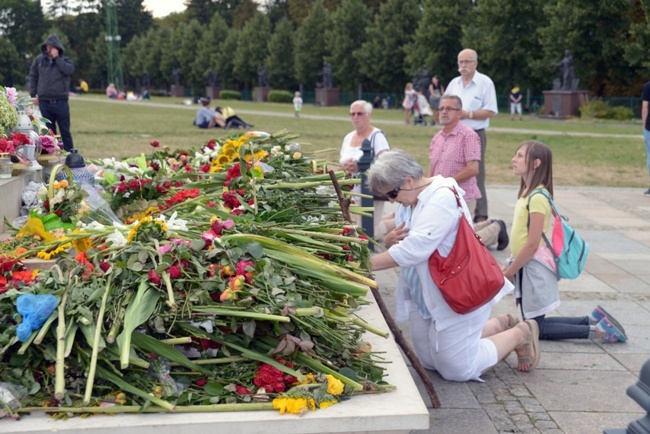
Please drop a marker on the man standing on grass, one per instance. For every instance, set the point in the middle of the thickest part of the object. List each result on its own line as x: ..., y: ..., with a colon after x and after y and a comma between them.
x: 479, y: 98
x: 49, y: 78
x: 455, y: 152
x: 645, y: 98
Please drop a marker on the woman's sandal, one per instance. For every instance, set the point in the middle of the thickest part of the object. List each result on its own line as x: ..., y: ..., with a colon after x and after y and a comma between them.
x: 531, y: 336
x: 506, y: 322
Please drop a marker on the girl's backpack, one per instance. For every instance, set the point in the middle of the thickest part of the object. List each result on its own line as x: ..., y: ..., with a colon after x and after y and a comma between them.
x: 569, y: 250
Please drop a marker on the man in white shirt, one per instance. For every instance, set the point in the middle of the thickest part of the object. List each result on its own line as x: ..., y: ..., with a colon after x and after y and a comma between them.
x: 479, y: 98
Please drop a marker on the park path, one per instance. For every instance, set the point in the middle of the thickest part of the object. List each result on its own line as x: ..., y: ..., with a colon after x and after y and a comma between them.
x: 374, y: 121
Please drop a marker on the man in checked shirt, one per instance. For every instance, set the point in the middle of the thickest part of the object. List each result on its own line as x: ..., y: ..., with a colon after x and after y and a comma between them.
x: 455, y: 152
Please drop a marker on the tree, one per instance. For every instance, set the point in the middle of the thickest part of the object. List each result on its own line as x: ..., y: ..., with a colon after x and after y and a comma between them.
x: 347, y: 34
x: 190, y: 38
x: 252, y: 48
x: 11, y: 73
x: 23, y: 24
x: 504, y: 34
x: 275, y: 10
x: 279, y: 62
x: 310, y: 45
x: 382, y: 56
x: 207, y: 57
x: 638, y: 45
x: 299, y: 9
x: 225, y: 60
x: 437, y: 39
x: 203, y: 10
x: 596, y: 34
x: 244, y: 11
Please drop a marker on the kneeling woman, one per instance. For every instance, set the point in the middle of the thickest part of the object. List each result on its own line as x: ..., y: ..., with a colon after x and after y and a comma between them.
x: 459, y: 347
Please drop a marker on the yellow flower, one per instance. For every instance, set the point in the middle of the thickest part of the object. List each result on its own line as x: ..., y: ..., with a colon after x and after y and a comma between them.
x: 325, y: 404
x: 120, y: 398
x: 334, y: 386
x: 215, y: 169
x: 81, y: 244
x: 297, y: 405
x: 296, y: 155
x: 223, y: 159
x: 309, y: 379
x: 43, y: 254
x: 60, y: 184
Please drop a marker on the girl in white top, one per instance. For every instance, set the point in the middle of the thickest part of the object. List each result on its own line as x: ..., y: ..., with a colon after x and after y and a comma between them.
x: 459, y: 347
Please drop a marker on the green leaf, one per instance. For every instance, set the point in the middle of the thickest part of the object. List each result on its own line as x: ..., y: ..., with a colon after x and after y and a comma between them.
x: 249, y: 328
x: 213, y: 389
x: 138, y: 312
x: 255, y: 250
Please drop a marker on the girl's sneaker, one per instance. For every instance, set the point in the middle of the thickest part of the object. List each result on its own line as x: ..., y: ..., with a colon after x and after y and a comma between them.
x: 599, y: 313
x: 612, y: 334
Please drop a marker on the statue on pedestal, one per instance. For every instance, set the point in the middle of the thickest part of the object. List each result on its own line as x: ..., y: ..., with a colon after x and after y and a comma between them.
x: 262, y: 79
x: 327, y: 76
x: 566, y: 70
x: 213, y: 78
x: 176, y: 73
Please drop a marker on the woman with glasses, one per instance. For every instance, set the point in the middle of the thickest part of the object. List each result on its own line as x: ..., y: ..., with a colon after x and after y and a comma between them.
x: 459, y: 347
x: 351, y: 151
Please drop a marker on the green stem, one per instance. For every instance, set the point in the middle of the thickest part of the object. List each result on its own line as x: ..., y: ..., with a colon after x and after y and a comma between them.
x: 214, y: 361
x: 59, y: 382
x: 98, y: 331
x: 115, y: 328
x: 240, y: 314
x: 177, y: 341
x: 370, y: 327
x: 171, y: 302
x: 116, y: 409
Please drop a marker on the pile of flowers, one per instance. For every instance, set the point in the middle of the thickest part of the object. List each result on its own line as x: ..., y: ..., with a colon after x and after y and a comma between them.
x: 237, y: 287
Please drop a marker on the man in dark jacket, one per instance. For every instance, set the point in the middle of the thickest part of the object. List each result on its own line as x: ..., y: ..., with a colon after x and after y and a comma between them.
x: 49, y: 78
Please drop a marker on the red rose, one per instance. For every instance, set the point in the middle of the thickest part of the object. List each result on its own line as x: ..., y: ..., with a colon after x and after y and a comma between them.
x: 210, y: 204
x: 205, y: 168
x: 105, y: 266
x: 46, y: 204
x: 211, y: 144
x: 58, y: 212
x: 154, y: 143
x: 153, y: 277
x: 201, y: 382
x: 175, y: 271
x: 121, y: 188
x: 242, y: 390
x: 134, y: 184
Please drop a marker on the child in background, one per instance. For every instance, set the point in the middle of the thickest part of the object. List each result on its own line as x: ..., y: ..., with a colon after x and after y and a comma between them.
x: 531, y: 265
x: 297, y: 104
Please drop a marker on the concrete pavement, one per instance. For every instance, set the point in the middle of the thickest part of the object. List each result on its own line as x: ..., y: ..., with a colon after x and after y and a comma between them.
x: 579, y: 385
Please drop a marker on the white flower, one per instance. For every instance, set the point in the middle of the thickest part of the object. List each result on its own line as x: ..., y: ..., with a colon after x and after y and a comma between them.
x: 174, y: 224
x: 116, y: 239
x: 94, y: 225
x: 69, y: 194
x: 58, y: 197
x: 42, y: 193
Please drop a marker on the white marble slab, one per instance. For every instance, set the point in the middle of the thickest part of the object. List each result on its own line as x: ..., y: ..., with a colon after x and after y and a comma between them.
x: 399, y: 411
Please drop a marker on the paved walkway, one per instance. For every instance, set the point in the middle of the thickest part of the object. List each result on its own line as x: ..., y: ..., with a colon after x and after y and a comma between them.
x: 579, y: 385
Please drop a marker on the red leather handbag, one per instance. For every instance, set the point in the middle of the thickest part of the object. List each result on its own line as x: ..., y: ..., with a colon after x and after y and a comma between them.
x: 470, y: 276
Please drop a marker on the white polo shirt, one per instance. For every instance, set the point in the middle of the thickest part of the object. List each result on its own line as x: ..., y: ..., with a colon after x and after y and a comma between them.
x: 478, y: 94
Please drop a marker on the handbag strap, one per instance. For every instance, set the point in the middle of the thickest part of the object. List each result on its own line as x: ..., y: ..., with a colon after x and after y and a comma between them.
x: 456, y: 195
x: 372, y: 141
x: 555, y: 212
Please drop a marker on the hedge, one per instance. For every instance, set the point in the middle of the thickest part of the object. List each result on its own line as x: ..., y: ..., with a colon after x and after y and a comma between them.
x: 229, y: 94
x: 283, y: 96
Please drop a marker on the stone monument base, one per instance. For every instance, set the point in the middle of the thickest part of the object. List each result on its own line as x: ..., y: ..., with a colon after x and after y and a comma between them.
x: 327, y: 97
x: 212, y: 92
x: 561, y: 104
x: 178, y: 91
x: 261, y: 93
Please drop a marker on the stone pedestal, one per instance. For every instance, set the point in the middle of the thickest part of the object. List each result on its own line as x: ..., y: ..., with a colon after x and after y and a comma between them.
x: 261, y: 93
x: 212, y: 92
x: 327, y: 97
x: 178, y: 91
x: 562, y: 104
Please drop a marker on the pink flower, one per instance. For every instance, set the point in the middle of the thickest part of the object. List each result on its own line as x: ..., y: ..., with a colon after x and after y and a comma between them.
x: 12, y: 94
x: 50, y: 144
x: 242, y: 265
x: 165, y: 248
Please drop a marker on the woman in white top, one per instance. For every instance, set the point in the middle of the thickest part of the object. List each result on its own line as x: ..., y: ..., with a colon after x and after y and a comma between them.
x: 351, y: 150
x: 459, y: 347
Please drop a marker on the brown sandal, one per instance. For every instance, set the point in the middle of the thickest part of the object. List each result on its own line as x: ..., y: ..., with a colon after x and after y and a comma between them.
x: 506, y: 322
x: 531, y: 337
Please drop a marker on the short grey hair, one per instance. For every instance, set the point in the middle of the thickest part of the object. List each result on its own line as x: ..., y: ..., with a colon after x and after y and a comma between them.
x: 367, y: 107
x: 454, y: 97
x: 390, y: 170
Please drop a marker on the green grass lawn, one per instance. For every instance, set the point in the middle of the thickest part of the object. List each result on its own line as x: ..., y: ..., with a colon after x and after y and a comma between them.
x: 124, y: 129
